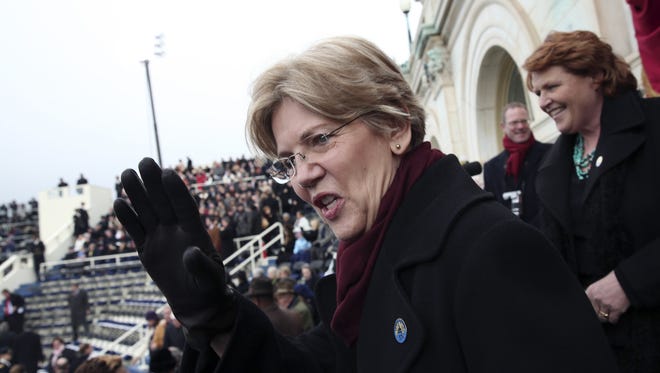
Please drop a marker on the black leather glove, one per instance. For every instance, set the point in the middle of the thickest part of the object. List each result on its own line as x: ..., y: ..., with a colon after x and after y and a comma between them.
x: 176, y: 250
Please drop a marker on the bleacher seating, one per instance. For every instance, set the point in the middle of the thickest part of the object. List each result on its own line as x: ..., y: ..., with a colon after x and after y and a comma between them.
x: 119, y: 300
x: 18, y: 224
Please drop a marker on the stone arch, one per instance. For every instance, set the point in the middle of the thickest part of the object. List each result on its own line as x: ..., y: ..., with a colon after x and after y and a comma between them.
x: 439, y: 135
x: 499, y: 83
x: 501, y: 37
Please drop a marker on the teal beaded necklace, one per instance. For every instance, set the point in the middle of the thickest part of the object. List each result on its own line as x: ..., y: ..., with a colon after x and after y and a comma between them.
x: 581, y: 161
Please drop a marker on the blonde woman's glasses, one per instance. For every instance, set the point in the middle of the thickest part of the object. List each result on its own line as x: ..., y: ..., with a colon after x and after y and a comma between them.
x: 282, y: 170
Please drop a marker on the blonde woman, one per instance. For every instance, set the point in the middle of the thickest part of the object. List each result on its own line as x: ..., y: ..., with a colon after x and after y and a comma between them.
x: 432, y: 273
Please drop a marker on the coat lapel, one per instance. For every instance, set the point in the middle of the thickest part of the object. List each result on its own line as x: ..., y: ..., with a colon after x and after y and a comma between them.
x: 621, y: 134
x: 456, y: 192
x: 387, y: 307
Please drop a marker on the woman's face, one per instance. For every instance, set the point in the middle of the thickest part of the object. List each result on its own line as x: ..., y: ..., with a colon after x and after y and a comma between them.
x: 573, y: 101
x: 346, y: 181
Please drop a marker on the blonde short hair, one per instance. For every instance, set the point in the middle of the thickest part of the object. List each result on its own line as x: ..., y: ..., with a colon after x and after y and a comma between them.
x: 339, y: 78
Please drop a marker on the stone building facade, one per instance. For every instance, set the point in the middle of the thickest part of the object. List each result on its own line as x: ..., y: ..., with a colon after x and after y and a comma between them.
x: 466, y: 60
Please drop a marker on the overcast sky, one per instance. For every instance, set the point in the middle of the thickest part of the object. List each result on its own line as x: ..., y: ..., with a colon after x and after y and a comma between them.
x: 73, y: 93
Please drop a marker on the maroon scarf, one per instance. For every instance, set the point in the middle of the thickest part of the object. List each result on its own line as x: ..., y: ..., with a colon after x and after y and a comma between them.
x: 517, y: 152
x: 355, y: 260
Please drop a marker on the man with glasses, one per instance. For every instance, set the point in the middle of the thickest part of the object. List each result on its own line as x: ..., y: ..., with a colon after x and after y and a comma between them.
x: 510, y: 175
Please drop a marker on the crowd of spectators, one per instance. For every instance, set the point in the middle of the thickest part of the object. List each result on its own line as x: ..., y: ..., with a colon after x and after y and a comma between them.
x: 235, y: 199
x: 19, y: 223
x: 106, y: 237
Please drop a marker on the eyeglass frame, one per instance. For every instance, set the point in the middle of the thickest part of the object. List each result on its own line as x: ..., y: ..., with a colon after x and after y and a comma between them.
x: 518, y: 121
x: 290, y: 160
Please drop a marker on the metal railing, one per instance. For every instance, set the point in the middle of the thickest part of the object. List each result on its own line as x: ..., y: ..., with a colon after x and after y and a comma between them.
x: 255, y: 247
x: 15, y: 262
x: 91, y: 264
x: 57, y: 242
x: 139, y: 348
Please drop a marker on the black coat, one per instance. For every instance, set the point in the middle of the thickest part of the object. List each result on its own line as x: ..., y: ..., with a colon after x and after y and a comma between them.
x: 497, y: 182
x: 28, y: 351
x: 622, y: 197
x: 70, y: 355
x: 17, y: 318
x: 78, y: 305
x: 478, y: 290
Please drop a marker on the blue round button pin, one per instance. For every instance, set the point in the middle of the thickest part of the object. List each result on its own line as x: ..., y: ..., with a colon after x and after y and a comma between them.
x: 400, y: 330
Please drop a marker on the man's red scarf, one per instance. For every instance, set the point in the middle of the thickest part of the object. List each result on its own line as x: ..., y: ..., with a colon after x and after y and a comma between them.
x: 355, y: 260
x: 517, y: 152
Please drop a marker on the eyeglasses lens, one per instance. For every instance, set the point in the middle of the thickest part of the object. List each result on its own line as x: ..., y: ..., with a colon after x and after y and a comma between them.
x: 281, y: 170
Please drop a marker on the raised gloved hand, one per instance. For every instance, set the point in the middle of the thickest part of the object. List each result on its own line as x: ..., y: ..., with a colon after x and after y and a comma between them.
x: 176, y: 250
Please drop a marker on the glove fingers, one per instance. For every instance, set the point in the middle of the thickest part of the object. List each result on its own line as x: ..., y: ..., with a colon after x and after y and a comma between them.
x: 139, y: 199
x: 185, y: 207
x: 151, y: 176
x: 130, y: 221
x: 204, y: 269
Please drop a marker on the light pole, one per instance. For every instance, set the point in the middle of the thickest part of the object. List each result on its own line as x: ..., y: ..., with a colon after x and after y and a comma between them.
x: 153, y: 111
x: 159, y: 52
x: 405, y: 8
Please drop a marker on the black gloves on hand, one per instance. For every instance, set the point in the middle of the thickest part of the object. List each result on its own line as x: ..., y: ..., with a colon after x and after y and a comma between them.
x: 176, y: 250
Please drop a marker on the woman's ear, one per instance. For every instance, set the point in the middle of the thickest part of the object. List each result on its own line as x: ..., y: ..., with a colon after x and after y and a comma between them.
x: 597, y: 80
x: 401, y: 137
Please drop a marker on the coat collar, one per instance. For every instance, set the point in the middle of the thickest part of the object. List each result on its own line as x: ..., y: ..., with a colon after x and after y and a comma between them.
x: 621, y: 134
x: 445, y: 187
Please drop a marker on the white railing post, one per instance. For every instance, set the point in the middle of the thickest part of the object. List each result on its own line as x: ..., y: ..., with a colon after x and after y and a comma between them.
x: 262, y: 246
